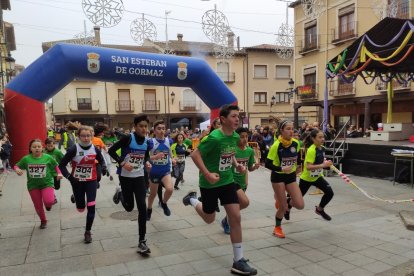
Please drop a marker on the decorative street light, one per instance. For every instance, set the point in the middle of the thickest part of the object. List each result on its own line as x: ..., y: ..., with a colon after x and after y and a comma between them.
x: 292, y: 88
x: 273, y: 101
x: 172, y: 97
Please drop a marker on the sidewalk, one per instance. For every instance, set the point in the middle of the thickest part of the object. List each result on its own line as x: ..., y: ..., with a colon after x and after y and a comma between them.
x: 364, y: 237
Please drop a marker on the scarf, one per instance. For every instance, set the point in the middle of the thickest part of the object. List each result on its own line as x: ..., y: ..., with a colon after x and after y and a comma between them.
x: 285, y: 143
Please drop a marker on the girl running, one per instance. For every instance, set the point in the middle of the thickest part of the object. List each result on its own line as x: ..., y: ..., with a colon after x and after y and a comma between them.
x: 57, y: 155
x: 313, y: 167
x: 40, y: 170
x: 83, y: 177
x: 282, y: 160
x: 179, y: 152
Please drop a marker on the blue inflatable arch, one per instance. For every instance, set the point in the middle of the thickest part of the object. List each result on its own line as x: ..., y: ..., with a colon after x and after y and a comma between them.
x: 25, y: 94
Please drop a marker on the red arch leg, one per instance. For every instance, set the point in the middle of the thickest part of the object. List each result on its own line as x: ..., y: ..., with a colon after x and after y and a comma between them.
x: 25, y: 120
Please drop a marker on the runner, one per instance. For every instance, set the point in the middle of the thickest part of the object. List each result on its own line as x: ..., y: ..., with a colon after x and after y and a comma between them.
x: 160, y: 152
x: 244, y: 155
x: 312, y: 174
x: 179, y: 152
x: 134, y: 157
x: 57, y: 155
x: 282, y: 160
x: 83, y: 177
x: 215, y: 159
x: 40, y: 168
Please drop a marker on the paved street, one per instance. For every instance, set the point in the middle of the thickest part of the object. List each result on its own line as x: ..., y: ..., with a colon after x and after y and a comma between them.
x: 363, y: 238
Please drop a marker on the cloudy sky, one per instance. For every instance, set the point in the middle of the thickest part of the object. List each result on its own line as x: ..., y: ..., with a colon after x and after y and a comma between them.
x: 37, y: 21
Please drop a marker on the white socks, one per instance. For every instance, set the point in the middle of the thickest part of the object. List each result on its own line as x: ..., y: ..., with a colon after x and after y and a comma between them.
x: 237, y: 251
x: 194, y: 202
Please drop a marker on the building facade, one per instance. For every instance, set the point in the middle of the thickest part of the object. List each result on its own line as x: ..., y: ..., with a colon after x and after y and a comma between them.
x: 319, y: 40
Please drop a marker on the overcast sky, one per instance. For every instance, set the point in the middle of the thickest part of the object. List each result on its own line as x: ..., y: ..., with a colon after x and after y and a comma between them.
x: 37, y: 21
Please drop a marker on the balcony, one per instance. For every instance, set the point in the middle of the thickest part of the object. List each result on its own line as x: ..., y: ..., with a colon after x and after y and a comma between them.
x: 381, y: 86
x: 344, y: 33
x: 83, y: 105
x: 310, y: 44
x: 308, y: 92
x: 340, y: 89
x: 227, y: 77
x: 190, y: 105
x: 150, y: 105
x: 124, y: 106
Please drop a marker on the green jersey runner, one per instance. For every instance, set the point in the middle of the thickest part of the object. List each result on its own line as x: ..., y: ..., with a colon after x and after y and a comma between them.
x: 40, y: 171
x: 246, y: 158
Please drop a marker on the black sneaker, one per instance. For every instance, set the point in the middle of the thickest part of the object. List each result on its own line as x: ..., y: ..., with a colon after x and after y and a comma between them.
x: 322, y: 213
x: 149, y: 212
x: 167, y: 210
x: 117, y: 195
x: 48, y: 208
x: 111, y: 178
x: 242, y: 268
x: 186, y: 199
x: 88, y: 237
x: 72, y: 198
x: 176, y: 188
x: 143, y: 248
x: 55, y: 201
x: 98, y: 185
x: 43, y: 225
x: 287, y: 215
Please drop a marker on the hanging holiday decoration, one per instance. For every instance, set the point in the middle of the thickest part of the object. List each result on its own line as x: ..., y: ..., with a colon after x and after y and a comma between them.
x: 85, y: 38
x: 103, y: 13
x: 285, y: 41
x: 142, y: 29
x: 215, y: 25
x: 385, y: 8
x: 312, y: 8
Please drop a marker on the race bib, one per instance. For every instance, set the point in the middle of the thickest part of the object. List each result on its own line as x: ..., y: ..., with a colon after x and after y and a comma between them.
x: 137, y: 161
x: 180, y: 158
x: 315, y: 173
x: 83, y: 172
x: 290, y: 161
x: 241, y: 162
x: 161, y: 161
x: 37, y: 170
x: 225, y: 162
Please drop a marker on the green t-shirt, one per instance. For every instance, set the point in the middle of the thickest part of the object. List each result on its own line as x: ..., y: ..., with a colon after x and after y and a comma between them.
x: 246, y: 158
x: 109, y: 141
x: 55, y: 153
x: 282, y: 156
x: 188, y: 142
x: 40, y: 171
x: 313, y: 156
x: 217, y: 152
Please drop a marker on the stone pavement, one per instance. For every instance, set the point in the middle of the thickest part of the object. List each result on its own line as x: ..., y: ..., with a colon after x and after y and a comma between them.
x: 364, y: 237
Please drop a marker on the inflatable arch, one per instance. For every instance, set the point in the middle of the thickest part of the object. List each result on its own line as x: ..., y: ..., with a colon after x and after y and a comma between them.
x: 26, y: 93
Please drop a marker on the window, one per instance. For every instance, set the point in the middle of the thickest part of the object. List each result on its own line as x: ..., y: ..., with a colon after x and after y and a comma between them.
x: 189, y: 101
x: 260, y: 71
x: 403, y: 9
x: 282, y: 71
x: 309, y: 75
x: 124, y: 101
x: 223, y: 67
x: 260, y: 97
x: 84, y: 100
x: 311, y: 40
x: 150, y: 100
x: 282, y: 97
x: 346, y: 22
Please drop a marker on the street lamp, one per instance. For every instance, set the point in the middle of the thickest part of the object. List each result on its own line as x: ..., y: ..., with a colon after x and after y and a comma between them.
x: 172, y: 96
x: 292, y: 90
x: 273, y: 101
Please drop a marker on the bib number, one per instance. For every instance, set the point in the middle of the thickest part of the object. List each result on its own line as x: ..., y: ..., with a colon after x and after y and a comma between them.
x: 137, y: 161
x: 241, y: 162
x: 315, y: 173
x: 83, y: 173
x: 162, y: 161
x: 288, y: 162
x: 180, y: 158
x: 225, y: 162
x: 37, y: 171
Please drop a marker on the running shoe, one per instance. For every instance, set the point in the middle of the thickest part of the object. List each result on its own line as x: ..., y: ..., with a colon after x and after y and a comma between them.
x: 149, y: 212
x: 143, y: 248
x: 287, y: 215
x: 55, y: 201
x: 322, y: 214
x: 186, y: 199
x: 48, y: 208
x: 225, y: 225
x: 117, y: 195
x: 176, y: 188
x: 88, y: 237
x: 111, y: 178
x: 278, y: 232
x: 167, y: 210
x: 43, y: 225
x: 72, y: 198
x: 241, y: 267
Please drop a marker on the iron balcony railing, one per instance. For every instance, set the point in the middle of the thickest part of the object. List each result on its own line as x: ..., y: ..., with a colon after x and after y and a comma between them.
x: 308, y: 92
x: 190, y: 105
x: 381, y: 86
x: 150, y: 105
x: 227, y: 77
x: 338, y: 89
x: 344, y: 32
x: 124, y: 106
x: 84, y: 104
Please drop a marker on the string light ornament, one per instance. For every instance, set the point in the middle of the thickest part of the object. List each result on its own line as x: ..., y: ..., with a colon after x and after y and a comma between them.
x: 312, y: 8
x: 285, y: 41
x: 142, y: 29
x: 103, y: 13
x: 385, y: 8
x: 85, y: 38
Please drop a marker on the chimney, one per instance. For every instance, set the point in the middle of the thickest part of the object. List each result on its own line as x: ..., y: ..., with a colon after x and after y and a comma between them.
x: 230, y: 40
x: 97, y: 31
x: 180, y: 37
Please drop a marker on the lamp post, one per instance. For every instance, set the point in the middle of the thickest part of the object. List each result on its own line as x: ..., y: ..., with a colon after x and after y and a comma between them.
x: 172, y: 97
x: 292, y: 90
x: 273, y: 101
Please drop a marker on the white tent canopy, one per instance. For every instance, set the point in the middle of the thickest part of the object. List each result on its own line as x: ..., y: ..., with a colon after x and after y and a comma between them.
x: 204, y: 125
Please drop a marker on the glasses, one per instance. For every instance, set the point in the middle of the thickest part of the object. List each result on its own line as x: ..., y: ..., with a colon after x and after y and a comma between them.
x: 85, y: 136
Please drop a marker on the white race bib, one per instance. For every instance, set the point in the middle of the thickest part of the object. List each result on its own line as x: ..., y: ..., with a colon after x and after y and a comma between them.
x: 137, y: 161
x: 289, y: 161
x: 315, y: 173
x: 83, y: 172
x: 241, y: 162
x: 37, y: 170
x: 161, y: 161
x: 225, y: 162
x: 180, y: 158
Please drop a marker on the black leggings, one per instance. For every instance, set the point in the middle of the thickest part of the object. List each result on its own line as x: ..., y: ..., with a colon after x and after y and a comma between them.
x: 320, y: 184
x: 88, y: 188
x: 135, y: 186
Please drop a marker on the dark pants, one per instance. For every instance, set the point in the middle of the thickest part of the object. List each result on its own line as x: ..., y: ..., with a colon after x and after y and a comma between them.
x: 135, y: 186
x: 88, y: 188
x: 322, y: 185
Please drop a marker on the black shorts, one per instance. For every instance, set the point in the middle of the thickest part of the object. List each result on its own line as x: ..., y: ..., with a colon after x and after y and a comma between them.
x: 283, y: 178
x: 227, y: 195
x: 239, y: 187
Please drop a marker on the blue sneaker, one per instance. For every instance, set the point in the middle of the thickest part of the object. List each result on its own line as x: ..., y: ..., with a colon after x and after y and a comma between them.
x: 242, y: 268
x: 225, y: 225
